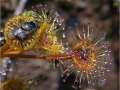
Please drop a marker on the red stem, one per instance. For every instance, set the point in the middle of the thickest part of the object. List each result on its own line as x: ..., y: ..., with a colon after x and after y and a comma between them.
x: 44, y: 57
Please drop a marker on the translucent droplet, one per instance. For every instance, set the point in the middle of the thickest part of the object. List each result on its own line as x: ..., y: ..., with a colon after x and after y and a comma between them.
x: 61, y: 75
x: 9, y: 61
x: 57, y: 65
x: 63, y: 35
x: 10, y: 69
x: 64, y: 80
x: 106, y: 62
x: 3, y: 74
x: 108, y: 69
x: 68, y: 74
x: 80, y: 86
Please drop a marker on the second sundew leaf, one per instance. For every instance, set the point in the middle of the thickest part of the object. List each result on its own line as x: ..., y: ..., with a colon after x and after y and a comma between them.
x: 48, y: 39
x: 49, y: 22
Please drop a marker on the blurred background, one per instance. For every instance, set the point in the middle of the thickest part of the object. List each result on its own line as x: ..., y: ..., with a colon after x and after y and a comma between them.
x: 97, y: 12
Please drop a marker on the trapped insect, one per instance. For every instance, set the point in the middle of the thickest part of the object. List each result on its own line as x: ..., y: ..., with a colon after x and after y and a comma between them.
x: 22, y: 31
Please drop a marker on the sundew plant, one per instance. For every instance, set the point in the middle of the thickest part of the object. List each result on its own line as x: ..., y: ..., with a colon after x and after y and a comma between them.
x: 38, y: 29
